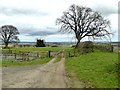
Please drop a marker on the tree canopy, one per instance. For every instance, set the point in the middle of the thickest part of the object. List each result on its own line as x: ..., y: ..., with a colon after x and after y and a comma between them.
x: 8, y: 34
x: 84, y: 22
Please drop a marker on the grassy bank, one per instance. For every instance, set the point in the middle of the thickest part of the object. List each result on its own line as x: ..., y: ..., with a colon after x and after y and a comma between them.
x: 18, y: 63
x: 97, y: 69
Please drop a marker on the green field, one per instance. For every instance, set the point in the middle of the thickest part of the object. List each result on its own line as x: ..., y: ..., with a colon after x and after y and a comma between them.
x: 41, y: 49
x: 97, y: 69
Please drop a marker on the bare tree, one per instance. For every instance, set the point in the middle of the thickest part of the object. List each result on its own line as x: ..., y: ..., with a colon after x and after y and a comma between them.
x: 84, y: 22
x: 8, y: 34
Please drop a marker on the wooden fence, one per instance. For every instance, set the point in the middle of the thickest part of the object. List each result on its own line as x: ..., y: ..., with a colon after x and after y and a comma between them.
x: 25, y: 56
x: 71, y: 53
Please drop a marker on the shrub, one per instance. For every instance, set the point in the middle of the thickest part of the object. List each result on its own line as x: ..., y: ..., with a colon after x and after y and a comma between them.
x: 54, y: 46
x: 40, y: 43
x: 85, y: 47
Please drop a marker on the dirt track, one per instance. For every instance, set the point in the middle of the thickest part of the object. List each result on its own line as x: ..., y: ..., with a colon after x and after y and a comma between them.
x: 50, y: 75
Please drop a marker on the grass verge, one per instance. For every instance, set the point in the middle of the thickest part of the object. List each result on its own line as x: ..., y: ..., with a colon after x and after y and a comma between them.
x: 38, y: 61
x: 97, y: 69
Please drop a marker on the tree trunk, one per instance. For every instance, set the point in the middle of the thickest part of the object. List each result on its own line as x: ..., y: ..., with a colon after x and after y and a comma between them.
x: 77, y: 43
x: 6, y: 45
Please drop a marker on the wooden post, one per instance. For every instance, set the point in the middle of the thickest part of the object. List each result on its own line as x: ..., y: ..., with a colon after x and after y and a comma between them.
x: 23, y: 56
x: 15, y: 55
x: 49, y: 53
x: 27, y: 56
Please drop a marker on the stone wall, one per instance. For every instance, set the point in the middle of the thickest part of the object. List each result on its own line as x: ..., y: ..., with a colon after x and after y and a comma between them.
x: 106, y: 47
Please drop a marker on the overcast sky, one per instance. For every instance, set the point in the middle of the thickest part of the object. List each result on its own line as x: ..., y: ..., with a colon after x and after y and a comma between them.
x: 36, y: 18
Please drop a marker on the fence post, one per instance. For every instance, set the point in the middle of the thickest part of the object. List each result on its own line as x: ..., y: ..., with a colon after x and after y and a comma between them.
x: 15, y: 56
x: 27, y: 56
x: 23, y: 56
x: 49, y: 53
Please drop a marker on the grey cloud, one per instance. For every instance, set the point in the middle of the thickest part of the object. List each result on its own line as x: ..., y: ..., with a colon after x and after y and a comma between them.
x: 25, y: 28
x: 105, y: 10
x: 22, y: 11
x: 41, y: 33
x: 33, y: 31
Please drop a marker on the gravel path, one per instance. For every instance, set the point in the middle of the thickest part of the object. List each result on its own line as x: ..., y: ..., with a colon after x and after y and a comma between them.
x: 50, y: 75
